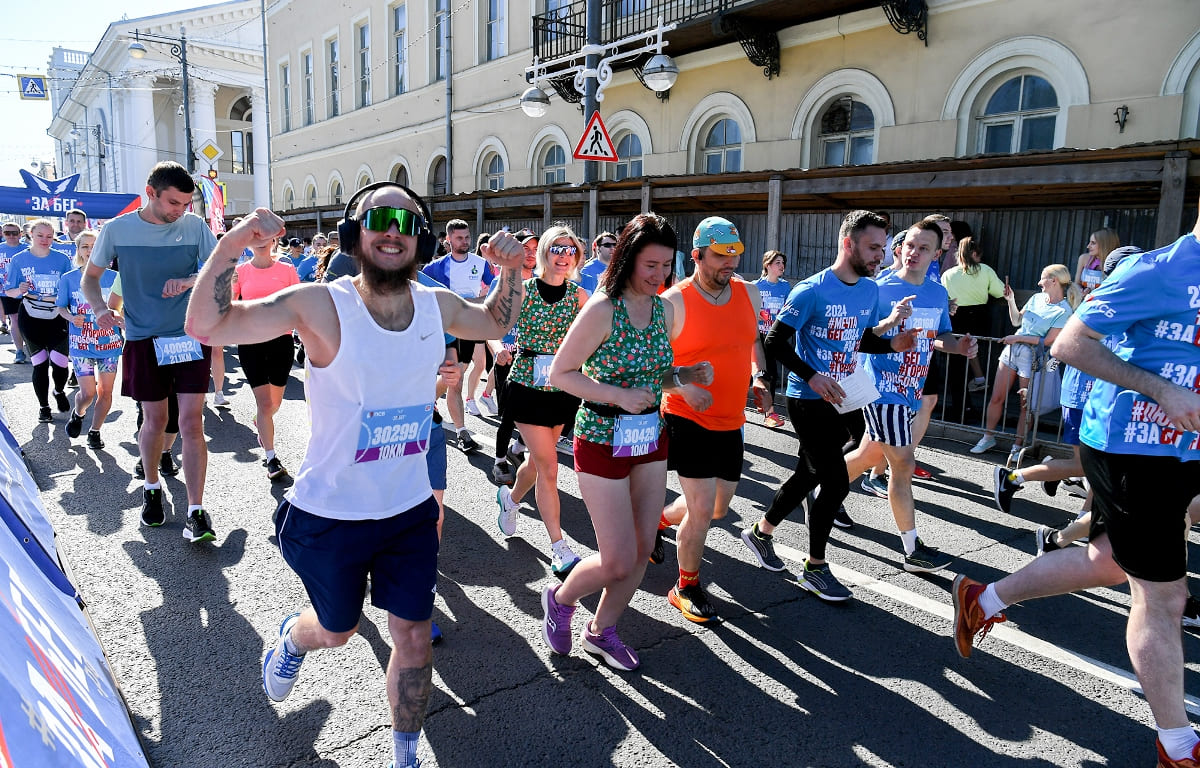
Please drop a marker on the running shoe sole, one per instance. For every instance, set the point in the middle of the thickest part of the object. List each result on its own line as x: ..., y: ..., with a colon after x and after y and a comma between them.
x: 674, y: 599
x: 591, y: 648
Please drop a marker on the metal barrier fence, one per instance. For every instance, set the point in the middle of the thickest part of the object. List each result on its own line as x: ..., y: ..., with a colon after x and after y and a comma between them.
x: 961, y: 410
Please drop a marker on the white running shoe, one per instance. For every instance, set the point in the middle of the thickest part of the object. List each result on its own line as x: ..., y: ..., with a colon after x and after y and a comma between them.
x: 489, y: 405
x: 471, y: 407
x: 985, y: 444
x: 219, y: 400
x: 507, y: 519
x: 562, y: 558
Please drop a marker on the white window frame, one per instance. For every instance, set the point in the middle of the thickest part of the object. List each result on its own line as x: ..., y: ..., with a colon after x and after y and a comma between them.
x: 285, y: 95
x: 399, y: 43
x: 308, y: 73
x: 362, y: 61
x: 1015, y: 119
x: 848, y: 136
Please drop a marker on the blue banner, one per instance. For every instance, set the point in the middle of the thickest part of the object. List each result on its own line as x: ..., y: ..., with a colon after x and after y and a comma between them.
x: 54, y: 197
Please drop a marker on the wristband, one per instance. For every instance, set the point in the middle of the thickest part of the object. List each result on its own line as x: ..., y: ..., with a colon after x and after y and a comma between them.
x: 675, y: 376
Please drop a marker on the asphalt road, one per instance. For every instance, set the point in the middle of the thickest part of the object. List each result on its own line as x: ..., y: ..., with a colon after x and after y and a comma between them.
x: 785, y: 680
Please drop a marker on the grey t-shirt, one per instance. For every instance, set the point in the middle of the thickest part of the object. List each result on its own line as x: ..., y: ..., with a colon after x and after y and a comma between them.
x: 340, y: 265
x: 150, y: 255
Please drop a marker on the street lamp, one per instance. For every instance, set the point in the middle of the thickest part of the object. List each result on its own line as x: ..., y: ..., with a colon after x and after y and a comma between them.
x: 178, y: 49
x: 659, y: 74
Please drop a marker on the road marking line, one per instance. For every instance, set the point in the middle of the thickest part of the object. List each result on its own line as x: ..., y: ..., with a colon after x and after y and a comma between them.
x: 1011, y: 635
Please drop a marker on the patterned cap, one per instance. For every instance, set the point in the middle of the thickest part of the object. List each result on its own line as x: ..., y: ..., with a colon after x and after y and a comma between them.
x: 718, y: 234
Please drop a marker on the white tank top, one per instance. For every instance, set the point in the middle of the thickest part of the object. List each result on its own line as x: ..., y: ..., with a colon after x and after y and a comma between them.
x: 371, y: 411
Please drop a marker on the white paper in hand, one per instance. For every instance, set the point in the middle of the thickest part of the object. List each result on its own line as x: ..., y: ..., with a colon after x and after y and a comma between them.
x: 860, y: 390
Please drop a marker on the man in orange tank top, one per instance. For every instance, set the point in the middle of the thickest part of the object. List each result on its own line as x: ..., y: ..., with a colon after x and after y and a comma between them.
x: 715, y: 319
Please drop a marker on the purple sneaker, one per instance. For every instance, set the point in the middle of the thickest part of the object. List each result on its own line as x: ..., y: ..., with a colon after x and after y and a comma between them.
x: 609, y: 647
x: 556, y: 627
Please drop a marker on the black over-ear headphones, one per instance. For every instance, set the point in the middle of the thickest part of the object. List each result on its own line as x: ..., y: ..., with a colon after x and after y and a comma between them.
x: 348, y: 228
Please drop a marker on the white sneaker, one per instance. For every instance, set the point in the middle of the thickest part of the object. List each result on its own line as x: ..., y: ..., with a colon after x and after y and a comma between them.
x: 562, y: 558
x: 219, y: 400
x: 507, y: 519
x: 489, y: 405
x: 566, y: 445
x: 471, y: 407
x: 985, y: 444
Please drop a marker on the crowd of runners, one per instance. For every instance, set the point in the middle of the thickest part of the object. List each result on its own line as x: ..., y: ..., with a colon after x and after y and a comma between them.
x: 608, y: 352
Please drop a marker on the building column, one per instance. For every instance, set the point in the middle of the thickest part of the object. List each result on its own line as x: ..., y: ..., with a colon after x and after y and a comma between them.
x: 141, y: 140
x: 262, y: 144
x: 204, y: 117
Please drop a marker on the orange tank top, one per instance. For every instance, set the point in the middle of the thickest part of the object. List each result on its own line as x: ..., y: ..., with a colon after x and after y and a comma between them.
x: 725, y: 337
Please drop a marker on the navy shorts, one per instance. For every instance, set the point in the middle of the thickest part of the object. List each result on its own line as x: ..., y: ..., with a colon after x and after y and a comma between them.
x: 1071, y: 419
x: 333, y: 559
x: 435, y: 457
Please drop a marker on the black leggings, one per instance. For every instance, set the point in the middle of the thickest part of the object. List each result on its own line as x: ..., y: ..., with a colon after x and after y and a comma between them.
x: 821, y: 431
x: 504, y: 432
x: 45, y: 335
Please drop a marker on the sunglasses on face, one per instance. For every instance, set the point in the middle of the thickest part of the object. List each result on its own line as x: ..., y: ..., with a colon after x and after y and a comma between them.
x: 608, y: 245
x: 381, y: 219
x: 12, y: 233
x: 559, y: 250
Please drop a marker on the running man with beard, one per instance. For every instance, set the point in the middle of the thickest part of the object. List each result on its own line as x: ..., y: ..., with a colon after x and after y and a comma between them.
x: 828, y: 319
x: 375, y: 345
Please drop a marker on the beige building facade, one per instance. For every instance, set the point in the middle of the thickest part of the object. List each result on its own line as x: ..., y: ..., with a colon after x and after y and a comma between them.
x: 358, y: 94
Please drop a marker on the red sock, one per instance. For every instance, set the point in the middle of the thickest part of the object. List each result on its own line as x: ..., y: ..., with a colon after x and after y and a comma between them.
x: 688, y: 578
x: 663, y: 522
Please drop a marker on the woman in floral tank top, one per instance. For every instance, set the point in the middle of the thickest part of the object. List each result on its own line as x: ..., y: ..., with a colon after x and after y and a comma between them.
x: 617, y: 358
x: 539, y: 410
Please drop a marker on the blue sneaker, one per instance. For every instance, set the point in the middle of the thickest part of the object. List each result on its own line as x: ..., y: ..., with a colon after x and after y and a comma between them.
x: 435, y: 633
x: 281, y: 668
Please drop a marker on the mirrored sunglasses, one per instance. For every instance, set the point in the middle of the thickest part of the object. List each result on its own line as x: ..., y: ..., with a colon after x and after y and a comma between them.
x: 559, y: 250
x: 381, y: 219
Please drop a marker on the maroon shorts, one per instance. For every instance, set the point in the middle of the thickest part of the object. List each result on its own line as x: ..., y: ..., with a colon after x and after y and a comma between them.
x: 597, y: 458
x: 143, y: 379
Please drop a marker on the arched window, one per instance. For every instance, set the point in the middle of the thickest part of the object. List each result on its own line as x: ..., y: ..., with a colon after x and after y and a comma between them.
x: 437, y: 178
x: 311, y: 195
x: 363, y: 180
x: 629, y: 157
x: 494, y: 173
x: 289, y: 199
x: 335, y: 192
x: 722, y: 147
x: 1019, y: 115
x: 401, y: 175
x: 554, y: 165
x: 847, y: 133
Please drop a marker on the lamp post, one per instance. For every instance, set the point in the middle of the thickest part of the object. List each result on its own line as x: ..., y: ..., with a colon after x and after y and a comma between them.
x: 178, y: 49
x: 595, y: 73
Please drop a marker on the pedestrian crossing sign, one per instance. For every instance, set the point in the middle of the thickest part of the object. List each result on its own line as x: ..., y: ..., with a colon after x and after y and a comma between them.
x: 33, y: 87
x: 595, y: 143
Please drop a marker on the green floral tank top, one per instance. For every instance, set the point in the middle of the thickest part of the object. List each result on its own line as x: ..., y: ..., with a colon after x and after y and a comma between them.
x: 629, y: 357
x: 541, y: 328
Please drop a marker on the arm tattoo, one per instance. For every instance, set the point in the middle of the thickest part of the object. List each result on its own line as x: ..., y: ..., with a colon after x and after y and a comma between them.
x: 504, y: 307
x: 223, y: 291
x: 413, y: 686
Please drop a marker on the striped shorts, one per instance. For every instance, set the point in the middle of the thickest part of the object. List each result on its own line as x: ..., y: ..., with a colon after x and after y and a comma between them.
x: 890, y: 423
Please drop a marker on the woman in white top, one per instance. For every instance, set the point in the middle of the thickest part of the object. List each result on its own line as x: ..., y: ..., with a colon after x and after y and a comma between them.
x: 1039, y: 322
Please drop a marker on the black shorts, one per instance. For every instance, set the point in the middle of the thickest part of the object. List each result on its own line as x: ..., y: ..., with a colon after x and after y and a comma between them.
x: 1141, y: 503
x: 43, y: 334
x: 10, y: 305
x: 934, y: 382
x: 702, y: 453
x: 539, y: 408
x: 268, y: 362
x: 142, y: 378
x: 466, y: 350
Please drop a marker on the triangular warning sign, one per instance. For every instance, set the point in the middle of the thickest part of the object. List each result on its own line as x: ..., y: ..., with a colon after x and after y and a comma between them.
x: 595, y: 143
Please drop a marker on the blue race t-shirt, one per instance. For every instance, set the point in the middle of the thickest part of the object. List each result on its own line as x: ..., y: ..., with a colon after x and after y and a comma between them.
x: 152, y: 254
x: 829, y: 317
x: 307, y: 269
x: 589, y: 275
x: 899, y: 376
x: 1152, y: 302
x: 90, y: 340
x: 43, y: 272
x: 773, y: 297
x: 6, y: 253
